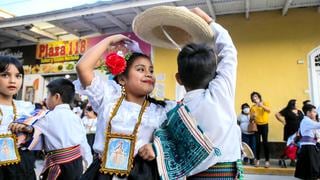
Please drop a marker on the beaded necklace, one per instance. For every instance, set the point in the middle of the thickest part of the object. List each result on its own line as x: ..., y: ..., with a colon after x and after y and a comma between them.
x: 14, y: 112
x: 115, y: 142
x: 13, y: 149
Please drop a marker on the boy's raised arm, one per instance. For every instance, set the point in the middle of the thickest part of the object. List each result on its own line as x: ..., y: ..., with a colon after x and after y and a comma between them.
x: 226, y: 53
x: 226, y: 56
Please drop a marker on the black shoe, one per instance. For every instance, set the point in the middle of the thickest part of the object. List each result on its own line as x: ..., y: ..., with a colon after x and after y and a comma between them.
x: 293, y: 163
x: 284, y: 165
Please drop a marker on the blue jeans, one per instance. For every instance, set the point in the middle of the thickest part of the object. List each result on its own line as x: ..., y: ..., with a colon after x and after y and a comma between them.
x: 250, y: 139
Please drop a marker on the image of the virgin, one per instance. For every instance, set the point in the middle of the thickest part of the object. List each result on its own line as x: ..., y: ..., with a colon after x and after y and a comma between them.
x: 7, y: 151
x: 118, y: 154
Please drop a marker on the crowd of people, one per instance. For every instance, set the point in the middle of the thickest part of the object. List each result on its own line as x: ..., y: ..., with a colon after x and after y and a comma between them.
x: 111, y: 136
x: 300, y: 132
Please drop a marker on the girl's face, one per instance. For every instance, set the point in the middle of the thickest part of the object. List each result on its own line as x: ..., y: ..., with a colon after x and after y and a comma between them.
x: 140, y: 80
x: 10, y: 81
x: 312, y: 114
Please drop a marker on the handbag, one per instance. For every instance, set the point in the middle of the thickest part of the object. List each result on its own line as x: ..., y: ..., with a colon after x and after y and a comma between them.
x: 291, y: 151
x: 252, y: 127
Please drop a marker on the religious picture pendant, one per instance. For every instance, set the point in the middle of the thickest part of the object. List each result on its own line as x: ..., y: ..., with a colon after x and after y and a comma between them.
x: 9, y: 153
x: 117, y: 157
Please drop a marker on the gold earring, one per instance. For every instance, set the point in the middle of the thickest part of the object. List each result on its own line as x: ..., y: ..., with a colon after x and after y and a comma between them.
x: 123, y: 90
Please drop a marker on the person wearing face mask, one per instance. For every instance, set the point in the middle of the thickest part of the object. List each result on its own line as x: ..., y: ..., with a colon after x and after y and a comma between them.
x: 247, y: 137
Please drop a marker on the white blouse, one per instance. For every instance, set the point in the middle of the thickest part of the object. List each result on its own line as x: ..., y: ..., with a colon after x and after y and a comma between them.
x: 90, y: 125
x: 309, y: 127
x: 23, y: 109
x: 103, y: 95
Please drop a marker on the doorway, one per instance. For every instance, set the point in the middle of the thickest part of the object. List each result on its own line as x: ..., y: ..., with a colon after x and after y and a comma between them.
x: 314, y: 75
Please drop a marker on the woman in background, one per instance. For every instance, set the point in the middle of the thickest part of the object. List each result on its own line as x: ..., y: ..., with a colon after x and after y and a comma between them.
x: 290, y: 117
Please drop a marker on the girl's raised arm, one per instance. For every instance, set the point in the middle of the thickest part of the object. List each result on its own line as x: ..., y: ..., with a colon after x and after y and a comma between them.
x: 86, y: 64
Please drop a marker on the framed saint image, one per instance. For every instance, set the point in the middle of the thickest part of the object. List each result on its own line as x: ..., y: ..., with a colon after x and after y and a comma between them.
x: 118, y: 154
x: 9, y: 151
x: 29, y: 94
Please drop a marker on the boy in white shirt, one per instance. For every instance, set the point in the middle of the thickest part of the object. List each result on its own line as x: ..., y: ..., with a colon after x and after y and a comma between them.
x: 210, y: 97
x: 64, y: 137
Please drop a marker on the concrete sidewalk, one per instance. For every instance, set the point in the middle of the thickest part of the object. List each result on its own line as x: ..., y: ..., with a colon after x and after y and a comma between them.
x: 274, y: 169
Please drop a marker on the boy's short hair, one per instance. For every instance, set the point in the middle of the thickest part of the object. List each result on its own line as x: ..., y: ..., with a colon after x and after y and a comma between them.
x: 64, y: 87
x: 197, y: 64
x: 307, y: 107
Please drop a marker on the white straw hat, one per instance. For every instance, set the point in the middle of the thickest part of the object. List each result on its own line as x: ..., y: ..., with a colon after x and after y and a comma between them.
x: 171, y: 27
x: 246, y: 150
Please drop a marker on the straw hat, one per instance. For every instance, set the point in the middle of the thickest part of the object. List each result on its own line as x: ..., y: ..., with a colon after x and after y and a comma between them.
x: 246, y: 150
x: 163, y: 26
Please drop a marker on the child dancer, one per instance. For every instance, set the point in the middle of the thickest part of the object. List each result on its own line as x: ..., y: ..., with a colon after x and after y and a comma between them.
x: 210, y: 97
x: 64, y: 137
x: 127, y: 116
x: 308, y: 163
x: 11, y: 77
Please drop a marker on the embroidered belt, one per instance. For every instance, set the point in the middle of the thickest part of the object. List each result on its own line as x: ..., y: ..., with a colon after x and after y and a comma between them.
x: 225, y: 170
x: 57, y: 157
x: 308, y: 139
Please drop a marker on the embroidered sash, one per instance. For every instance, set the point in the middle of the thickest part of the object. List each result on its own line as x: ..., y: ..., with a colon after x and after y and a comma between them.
x: 224, y: 170
x: 57, y: 157
x: 180, y: 144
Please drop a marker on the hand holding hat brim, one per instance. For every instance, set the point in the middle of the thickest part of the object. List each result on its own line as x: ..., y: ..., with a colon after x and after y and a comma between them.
x: 182, y: 25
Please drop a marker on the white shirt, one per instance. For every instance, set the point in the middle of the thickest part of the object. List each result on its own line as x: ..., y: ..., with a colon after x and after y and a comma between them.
x: 89, y: 125
x: 61, y: 128
x: 244, y: 121
x: 23, y: 108
x: 309, y: 127
x: 103, y: 95
x: 213, y: 108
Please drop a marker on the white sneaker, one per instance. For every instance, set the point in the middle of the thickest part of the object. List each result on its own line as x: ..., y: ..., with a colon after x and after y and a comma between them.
x: 267, y: 164
x: 257, y: 163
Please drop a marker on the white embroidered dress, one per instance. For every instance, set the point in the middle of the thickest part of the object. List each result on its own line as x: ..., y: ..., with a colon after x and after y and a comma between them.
x: 103, y: 95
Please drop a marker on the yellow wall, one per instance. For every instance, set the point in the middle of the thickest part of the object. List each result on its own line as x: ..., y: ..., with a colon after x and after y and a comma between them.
x: 165, y: 63
x: 269, y: 46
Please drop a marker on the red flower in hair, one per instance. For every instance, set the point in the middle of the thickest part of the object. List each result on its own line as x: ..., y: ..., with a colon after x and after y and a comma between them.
x: 115, y: 64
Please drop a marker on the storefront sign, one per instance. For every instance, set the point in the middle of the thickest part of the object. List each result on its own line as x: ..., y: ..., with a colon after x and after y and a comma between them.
x: 61, y: 51
x: 25, y: 54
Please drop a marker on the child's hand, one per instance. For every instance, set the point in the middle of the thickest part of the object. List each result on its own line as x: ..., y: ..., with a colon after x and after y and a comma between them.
x: 115, y: 39
x: 146, y: 152
x: 19, y: 127
x: 202, y: 14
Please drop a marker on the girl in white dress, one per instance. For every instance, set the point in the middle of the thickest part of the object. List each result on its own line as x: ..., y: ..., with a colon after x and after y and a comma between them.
x: 124, y: 108
x: 11, y: 77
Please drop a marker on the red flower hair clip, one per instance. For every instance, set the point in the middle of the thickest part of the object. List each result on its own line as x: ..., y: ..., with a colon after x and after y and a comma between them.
x: 116, y: 64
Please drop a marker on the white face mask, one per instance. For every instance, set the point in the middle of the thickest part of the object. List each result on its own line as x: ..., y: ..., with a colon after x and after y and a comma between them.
x: 246, y: 110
